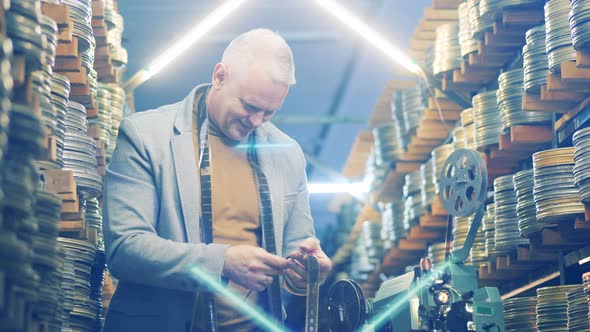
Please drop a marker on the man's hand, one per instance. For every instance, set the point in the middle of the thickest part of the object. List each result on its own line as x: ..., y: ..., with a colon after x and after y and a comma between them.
x: 296, y: 271
x: 252, y: 267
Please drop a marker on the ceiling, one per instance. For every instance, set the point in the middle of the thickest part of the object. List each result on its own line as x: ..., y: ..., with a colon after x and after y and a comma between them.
x: 337, y: 72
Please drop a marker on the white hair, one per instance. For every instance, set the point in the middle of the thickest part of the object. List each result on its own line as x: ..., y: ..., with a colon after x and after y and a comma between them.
x: 265, y: 47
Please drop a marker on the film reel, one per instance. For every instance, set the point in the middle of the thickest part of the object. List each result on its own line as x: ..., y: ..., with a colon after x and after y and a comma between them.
x: 346, y: 306
x: 463, y: 182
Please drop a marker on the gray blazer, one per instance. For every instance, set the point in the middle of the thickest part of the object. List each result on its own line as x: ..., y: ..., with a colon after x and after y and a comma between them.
x: 151, y: 215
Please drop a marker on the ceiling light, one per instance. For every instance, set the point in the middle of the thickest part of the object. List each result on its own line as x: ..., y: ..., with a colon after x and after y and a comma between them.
x: 183, y: 44
x: 357, y: 188
x: 584, y: 260
x: 372, y: 36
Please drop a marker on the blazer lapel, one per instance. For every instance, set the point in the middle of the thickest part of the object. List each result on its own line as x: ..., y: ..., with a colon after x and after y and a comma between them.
x: 189, y: 189
x: 185, y: 166
x: 267, y: 163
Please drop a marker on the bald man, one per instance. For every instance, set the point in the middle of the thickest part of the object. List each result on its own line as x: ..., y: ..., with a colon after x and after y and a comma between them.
x: 208, y: 189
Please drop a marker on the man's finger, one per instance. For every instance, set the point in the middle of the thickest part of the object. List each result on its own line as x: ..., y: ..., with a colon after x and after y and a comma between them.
x: 297, y: 255
x: 274, y: 261
x: 325, y: 265
x: 295, y: 279
x: 275, y: 272
x: 258, y: 287
x: 309, y: 245
x: 297, y: 260
x: 262, y: 282
x: 297, y: 268
x: 269, y: 271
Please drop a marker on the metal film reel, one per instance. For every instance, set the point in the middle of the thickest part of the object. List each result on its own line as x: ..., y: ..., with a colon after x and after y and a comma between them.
x: 463, y: 182
x: 346, y: 306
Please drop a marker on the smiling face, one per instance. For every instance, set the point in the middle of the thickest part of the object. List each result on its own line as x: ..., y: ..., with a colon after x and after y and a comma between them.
x: 239, y: 102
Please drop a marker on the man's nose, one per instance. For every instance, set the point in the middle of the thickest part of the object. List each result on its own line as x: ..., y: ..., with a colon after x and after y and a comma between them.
x: 256, y: 119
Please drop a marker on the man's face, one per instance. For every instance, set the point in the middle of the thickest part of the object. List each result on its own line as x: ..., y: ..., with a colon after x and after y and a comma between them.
x: 247, y: 101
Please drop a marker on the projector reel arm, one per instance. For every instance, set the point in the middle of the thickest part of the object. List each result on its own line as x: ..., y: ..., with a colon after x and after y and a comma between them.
x: 463, y: 190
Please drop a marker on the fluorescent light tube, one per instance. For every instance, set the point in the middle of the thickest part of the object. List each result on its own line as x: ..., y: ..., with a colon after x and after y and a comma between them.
x: 192, y: 36
x: 372, y: 36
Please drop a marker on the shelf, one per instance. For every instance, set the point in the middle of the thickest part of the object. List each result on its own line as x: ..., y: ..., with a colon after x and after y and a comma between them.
x: 583, y: 58
x: 381, y: 113
x: 570, y: 73
x: 429, y: 228
x: 497, y: 49
x: 576, y: 256
x: 531, y: 285
x: 432, y: 222
x: 446, y: 4
x: 515, y: 147
x: 527, y: 263
x: 345, y: 251
x: 519, y: 262
x: 575, y: 80
x: 434, y: 128
x: 567, y: 235
x: 103, y: 64
x: 359, y: 153
x: 566, y: 93
x: 441, y: 12
x: 61, y: 15
x: 572, y: 120
x: 534, y: 103
x: 397, y: 259
x: 371, y: 285
x: 390, y: 189
x: 530, y: 263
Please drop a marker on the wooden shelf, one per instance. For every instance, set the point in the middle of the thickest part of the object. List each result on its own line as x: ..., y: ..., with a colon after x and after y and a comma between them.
x: 568, y: 234
x: 357, y: 158
x: 531, y: 285
x: 572, y: 113
x: 515, y: 147
x: 583, y: 58
x: 381, y: 113
x: 476, y: 60
x: 67, y: 49
x: 434, y: 127
x: 562, y: 96
x: 68, y: 226
x: 345, y: 251
x: 577, y: 256
x: 533, y: 103
x: 497, y: 47
x: 441, y: 12
x: 61, y: 15
x: 390, y: 189
x: 571, y: 73
x: 432, y: 222
x: 65, y: 64
x: 103, y: 63
x: 437, y: 209
x: 446, y: 4
x: 575, y: 82
x: 397, y: 259
x: 523, y: 259
x: 566, y: 94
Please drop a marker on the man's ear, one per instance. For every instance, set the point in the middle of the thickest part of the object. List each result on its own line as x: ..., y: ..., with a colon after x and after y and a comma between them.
x: 219, y: 75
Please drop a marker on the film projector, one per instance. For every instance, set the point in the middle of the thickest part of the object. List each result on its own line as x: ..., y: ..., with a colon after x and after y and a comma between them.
x: 442, y: 299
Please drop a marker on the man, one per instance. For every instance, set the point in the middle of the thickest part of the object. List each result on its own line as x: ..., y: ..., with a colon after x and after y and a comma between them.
x: 213, y: 158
